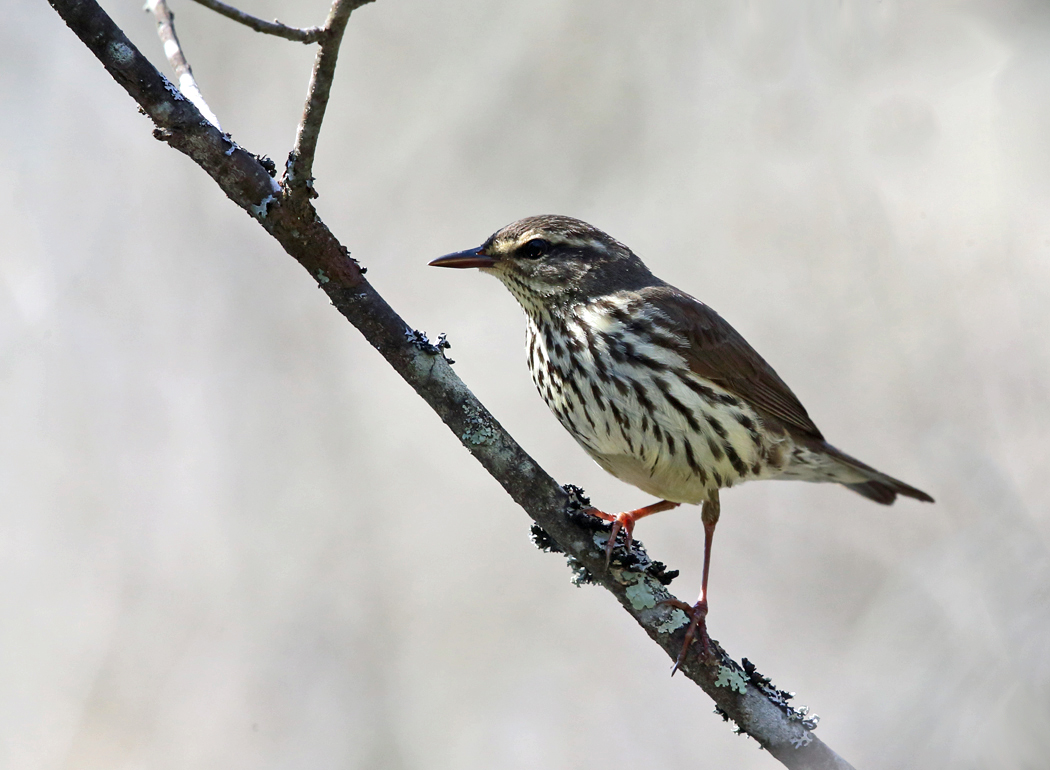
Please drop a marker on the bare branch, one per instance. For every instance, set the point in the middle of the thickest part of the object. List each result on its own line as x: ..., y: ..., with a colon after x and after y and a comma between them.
x: 172, y: 49
x: 299, y: 170
x: 299, y: 34
x: 178, y: 122
x: 740, y: 693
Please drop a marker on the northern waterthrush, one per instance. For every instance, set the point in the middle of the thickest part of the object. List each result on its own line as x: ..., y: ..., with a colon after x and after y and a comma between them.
x: 653, y: 384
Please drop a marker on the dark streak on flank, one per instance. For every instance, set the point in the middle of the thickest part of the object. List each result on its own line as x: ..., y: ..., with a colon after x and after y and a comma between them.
x: 716, y: 449
x: 597, y: 393
x: 568, y: 421
x: 570, y: 405
x: 579, y: 393
x: 626, y: 433
x: 694, y: 466
x: 682, y: 409
x: 748, y: 423
x: 643, y: 398
x: 717, y: 426
x: 734, y: 459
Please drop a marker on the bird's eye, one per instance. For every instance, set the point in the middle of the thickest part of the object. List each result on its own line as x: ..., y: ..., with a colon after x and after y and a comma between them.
x: 534, y: 249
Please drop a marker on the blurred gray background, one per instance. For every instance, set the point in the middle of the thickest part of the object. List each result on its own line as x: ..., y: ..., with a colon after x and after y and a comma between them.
x: 231, y: 537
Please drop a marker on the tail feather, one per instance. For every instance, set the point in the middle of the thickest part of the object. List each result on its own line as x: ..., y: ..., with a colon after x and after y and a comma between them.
x: 886, y: 492
x: 879, y: 487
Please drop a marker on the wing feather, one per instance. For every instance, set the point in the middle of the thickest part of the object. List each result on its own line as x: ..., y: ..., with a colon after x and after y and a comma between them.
x: 715, y: 351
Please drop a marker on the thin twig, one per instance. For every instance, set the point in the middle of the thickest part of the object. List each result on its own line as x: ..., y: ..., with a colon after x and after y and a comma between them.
x: 172, y: 49
x: 299, y: 34
x: 298, y: 176
x: 740, y: 694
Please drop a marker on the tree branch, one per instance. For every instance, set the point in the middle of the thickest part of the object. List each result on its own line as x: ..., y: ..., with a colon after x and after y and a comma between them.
x: 172, y: 49
x: 740, y: 693
x: 298, y: 175
x: 299, y: 34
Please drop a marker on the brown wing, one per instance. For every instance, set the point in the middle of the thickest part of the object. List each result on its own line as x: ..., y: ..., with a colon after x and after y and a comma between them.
x: 718, y: 353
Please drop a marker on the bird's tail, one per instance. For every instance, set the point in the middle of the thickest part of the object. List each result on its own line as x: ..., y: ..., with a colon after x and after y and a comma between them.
x: 878, y: 486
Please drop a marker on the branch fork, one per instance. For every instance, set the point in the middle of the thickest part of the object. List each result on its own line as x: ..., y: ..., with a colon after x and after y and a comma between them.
x: 287, y: 213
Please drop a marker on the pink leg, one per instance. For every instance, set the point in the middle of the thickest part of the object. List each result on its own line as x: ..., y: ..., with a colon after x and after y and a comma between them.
x: 698, y: 612
x: 626, y: 521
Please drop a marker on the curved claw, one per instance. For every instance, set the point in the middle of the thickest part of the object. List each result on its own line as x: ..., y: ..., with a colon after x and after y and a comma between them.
x: 624, y: 521
x: 697, y: 626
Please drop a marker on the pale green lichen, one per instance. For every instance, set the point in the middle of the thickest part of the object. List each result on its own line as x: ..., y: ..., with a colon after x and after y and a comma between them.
x: 731, y: 678
x: 641, y: 596
x: 675, y: 620
x: 321, y: 277
x: 478, y: 431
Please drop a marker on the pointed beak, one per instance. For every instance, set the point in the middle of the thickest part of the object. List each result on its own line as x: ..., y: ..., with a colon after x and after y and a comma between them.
x: 469, y: 258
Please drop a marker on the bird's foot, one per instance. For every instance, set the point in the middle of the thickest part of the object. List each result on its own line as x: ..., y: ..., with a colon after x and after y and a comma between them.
x: 697, y: 628
x: 624, y: 521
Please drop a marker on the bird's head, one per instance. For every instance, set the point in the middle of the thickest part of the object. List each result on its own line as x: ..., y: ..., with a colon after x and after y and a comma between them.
x: 550, y: 260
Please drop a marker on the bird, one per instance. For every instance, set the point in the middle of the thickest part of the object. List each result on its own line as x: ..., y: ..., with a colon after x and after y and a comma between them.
x: 655, y: 385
